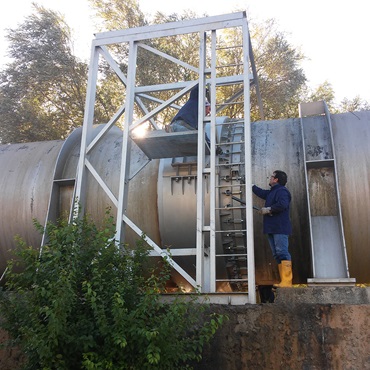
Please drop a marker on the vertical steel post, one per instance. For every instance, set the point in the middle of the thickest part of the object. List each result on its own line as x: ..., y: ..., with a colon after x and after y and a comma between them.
x: 212, y: 190
x: 248, y: 168
x: 80, y: 188
x: 201, y: 258
x: 126, y: 150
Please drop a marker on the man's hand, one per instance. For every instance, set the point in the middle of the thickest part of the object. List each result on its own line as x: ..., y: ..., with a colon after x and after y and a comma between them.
x: 265, y: 211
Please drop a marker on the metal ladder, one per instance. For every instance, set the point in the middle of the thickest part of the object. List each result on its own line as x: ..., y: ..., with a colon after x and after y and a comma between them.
x: 62, y: 189
x: 231, y: 211
x: 229, y: 177
x: 328, y: 248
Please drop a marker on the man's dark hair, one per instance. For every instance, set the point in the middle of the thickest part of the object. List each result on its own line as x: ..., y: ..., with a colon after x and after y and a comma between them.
x: 281, y: 176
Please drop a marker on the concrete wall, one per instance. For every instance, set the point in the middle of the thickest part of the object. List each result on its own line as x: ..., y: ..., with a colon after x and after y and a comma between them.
x: 320, y: 328
x: 301, y: 330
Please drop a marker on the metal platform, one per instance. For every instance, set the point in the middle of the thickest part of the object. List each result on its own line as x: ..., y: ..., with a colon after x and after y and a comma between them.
x: 160, y: 144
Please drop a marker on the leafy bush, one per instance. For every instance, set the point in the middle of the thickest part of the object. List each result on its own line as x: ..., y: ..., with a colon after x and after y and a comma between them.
x: 84, y: 303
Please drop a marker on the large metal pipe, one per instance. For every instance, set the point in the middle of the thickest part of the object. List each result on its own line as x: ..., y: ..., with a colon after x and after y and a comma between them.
x: 25, y: 185
x: 165, y: 208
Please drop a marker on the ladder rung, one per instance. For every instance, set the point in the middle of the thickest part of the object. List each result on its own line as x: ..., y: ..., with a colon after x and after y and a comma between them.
x: 229, y: 103
x: 233, y: 221
x: 236, y: 261
x: 230, y: 153
x: 230, y: 65
x: 232, y: 280
x: 230, y: 186
x: 229, y: 123
x: 236, y: 121
x: 229, y: 164
x: 234, y: 250
x: 233, y: 142
x: 231, y: 246
x: 232, y: 231
x: 231, y: 179
x: 230, y: 192
x: 223, y: 208
x: 65, y: 182
x: 229, y: 47
x: 225, y: 214
x: 232, y: 255
x: 183, y: 164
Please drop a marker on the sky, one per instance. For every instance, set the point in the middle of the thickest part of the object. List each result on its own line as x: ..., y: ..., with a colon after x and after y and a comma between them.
x: 332, y: 34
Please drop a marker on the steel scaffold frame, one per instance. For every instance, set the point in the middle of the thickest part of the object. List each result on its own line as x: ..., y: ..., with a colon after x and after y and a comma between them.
x: 205, y: 263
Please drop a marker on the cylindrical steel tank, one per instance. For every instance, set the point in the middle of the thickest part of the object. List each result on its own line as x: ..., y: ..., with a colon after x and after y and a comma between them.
x: 25, y: 183
x: 155, y: 197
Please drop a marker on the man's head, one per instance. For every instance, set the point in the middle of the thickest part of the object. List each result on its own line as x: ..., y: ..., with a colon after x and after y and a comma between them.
x: 208, y: 108
x: 278, y: 177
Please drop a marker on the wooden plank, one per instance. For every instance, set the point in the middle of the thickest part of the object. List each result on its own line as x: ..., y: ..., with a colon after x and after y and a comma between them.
x: 160, y: 144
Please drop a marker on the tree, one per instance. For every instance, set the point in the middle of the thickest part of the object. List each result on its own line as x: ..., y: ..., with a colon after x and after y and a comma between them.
x: 152, y: 69
x: 356, y: 104
x: 279, y: 72
x: 278, y: 63
x: 42, y: 91
x: 323, y: 92
x: 84, y: 303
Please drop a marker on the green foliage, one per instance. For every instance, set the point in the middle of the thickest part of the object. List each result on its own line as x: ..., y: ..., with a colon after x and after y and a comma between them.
x: 85, y: 303
x: 352, y: 105
x: 119, y: 15
x: 42, y: 91
x: 325, y: 92
x: 322, y: 92
x: 278, y: 62
x: 279, y: 72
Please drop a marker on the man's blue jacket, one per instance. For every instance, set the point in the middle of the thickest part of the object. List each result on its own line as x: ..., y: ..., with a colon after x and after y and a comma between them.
x: 189, y: 112
x: 278, y: 198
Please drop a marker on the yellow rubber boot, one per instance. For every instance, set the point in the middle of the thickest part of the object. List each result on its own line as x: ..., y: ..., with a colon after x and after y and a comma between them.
x: 280, y: 273
x: 286, y: 274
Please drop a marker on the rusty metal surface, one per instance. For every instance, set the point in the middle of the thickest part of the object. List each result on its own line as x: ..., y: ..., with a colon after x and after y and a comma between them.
x: 317, y: 139
x: 322, y: 192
